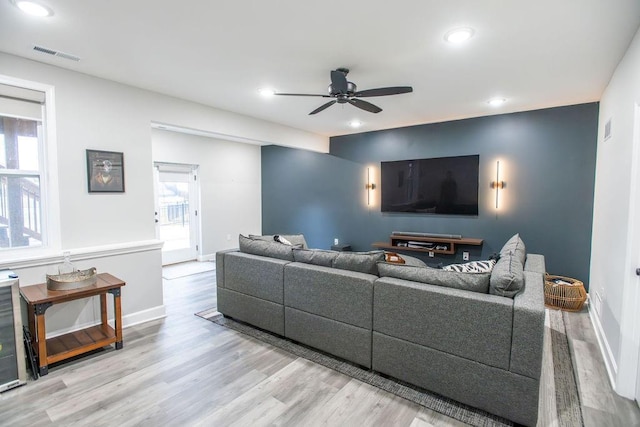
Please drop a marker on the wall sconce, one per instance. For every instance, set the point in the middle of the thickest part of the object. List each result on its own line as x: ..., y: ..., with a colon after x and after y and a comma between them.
x: 369, y: 187
x: 498, y: 184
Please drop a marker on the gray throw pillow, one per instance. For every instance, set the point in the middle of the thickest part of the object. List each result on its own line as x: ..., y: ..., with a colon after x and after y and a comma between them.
x: 315, y: 256
x: 516, y: 246
x: 295, y: 239
x: 265, y: 248
x: 364, y: 262
x: 507, y: 277
x: 475, y: 282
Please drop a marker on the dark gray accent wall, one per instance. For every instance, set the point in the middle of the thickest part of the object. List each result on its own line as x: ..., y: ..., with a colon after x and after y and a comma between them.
x: 547, y: 160
x: 314, y: 194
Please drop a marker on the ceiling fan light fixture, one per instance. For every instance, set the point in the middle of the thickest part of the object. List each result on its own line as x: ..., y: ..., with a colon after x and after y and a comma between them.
x: 266, y: 92
x: 33, y: 8
x: 496, y: 102
x: 459, y: 35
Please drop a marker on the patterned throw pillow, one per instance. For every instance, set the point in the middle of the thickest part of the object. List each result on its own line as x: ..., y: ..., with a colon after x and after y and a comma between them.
x: 472, y: 267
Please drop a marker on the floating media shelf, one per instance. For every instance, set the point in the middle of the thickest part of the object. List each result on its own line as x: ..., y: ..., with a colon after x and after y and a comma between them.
x: 438, y: 245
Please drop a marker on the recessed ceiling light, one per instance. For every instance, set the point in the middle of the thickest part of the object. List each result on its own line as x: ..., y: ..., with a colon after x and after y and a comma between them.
x: 459, y: 35
x: 33, y: 8
x: 265, y: 91
x: 496, y: 102
x: 355, y: 123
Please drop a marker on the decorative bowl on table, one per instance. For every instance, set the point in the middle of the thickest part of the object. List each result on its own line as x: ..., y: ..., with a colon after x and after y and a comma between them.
x: 74, y: 280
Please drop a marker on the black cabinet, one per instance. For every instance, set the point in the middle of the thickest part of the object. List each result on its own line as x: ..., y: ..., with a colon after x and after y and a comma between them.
x: 12, y: 360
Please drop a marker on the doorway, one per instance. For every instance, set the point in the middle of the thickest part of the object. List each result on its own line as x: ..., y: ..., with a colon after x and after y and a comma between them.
x: 635, y: 223
x: 176, y: 214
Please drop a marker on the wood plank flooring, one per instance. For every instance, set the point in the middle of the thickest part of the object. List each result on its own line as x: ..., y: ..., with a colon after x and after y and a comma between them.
x: 185, y: 371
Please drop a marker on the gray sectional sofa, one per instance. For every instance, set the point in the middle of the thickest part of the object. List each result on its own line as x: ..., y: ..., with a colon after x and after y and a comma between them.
x: 477, y: 347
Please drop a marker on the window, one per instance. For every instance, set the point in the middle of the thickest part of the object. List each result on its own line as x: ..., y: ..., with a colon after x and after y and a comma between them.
x: 21, y: 167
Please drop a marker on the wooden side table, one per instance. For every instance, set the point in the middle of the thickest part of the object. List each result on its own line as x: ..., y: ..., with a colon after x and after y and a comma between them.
x: 63, y: 347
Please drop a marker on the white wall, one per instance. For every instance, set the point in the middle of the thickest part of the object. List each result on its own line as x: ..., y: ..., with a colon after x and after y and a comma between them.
x: 230, y: 181
x: 93, y: 113
x: 138, y: 264
x: 614, y: 252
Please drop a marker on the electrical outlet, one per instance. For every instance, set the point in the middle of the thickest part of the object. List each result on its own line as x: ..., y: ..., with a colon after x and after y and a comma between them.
x: 336, y: 242
x: 431, y: 255
x: 465, y: 256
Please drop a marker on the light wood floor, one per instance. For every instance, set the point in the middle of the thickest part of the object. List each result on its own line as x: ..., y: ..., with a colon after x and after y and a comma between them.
x: 184, y: 371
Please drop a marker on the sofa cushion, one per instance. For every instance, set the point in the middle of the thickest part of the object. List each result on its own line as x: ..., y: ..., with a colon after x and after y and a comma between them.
x: 416, y: 262
x: 363, y: 262
x: 314, y: 256
x: 294, y: 239
x: 394, y: 258
x: 507, y: 277
x: 265, y: 248
x: 516, y: 246
x: 472, y: 267
x: 475, y: 282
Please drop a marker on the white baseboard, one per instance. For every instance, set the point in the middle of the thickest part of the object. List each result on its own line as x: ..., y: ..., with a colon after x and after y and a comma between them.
x: 207, y: 257
x: 605, y: 349
x: 143, y: 316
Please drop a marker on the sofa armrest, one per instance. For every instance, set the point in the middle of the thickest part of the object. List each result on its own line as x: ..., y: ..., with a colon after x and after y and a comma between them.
x: 220, y: 266
x: 528, y: 327
x: 535, y: 263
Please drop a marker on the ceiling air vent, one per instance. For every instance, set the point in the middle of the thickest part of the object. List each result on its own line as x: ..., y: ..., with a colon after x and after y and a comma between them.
x: 56, y: 53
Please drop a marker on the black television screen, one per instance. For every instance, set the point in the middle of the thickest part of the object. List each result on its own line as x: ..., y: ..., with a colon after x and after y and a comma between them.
x: 445, y: 185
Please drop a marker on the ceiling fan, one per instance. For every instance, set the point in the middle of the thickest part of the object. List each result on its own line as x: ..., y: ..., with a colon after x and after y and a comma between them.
x: 345, y: 92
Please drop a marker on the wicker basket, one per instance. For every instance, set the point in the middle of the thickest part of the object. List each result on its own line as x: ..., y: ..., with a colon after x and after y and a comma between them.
x: 564, y: 293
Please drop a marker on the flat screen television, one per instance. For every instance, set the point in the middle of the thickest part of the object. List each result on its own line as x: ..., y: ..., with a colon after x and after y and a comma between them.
x: 444, y: 185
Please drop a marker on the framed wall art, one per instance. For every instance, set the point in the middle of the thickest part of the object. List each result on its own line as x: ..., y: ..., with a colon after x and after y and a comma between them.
x: 105, y: 171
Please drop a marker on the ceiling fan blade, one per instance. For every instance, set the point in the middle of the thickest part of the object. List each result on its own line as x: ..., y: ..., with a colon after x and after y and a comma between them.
x: 383, y: 91
x: 364, y: 105
x: 338, y: 81
x: 323, y: 107
x: 301, y: 94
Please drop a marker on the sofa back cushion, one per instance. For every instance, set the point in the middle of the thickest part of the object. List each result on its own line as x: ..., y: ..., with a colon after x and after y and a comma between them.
x: 297, y: 240
x: 507, y: 277
x: 255, y: 276
x: 339, y: 295
x: 263, y: 247
x: 314, y: 256
x: 475, y: 282
x: 470, y: 325
x: 363, y: 262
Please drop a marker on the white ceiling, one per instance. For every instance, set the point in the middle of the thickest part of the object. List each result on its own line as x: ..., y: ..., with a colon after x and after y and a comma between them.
x: 536, y: 54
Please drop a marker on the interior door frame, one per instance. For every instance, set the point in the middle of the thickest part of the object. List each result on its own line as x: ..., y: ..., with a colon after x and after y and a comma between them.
x: 627, y: 379
x: 194, y: 252
x: 633, y: 287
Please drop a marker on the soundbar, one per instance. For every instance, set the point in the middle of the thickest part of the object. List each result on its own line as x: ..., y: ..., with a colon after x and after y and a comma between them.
x: 415, y: 234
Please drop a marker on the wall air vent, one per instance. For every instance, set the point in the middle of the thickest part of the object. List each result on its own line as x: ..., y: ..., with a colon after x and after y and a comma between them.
x: 607, y: 129
x: 56, y: 53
